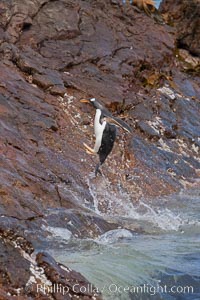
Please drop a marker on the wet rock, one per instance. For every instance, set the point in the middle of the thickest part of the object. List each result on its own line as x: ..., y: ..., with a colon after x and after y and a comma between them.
x: 66, y: 282
x: 15, y: 268
x: 82, y: 224
x: 15, y: 272
x: 128, y: 61
x: 23, y: 276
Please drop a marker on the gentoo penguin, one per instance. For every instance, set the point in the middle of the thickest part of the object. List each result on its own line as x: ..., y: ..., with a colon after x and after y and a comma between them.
x: 105, y: 132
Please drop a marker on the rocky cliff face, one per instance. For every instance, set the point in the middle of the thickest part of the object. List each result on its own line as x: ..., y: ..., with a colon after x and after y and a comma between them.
x: 186, y: 19
x: 53, y: 53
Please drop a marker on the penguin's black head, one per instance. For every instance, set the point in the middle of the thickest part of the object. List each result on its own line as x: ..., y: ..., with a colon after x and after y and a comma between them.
x: 94, y: 103
x: 106, y: 114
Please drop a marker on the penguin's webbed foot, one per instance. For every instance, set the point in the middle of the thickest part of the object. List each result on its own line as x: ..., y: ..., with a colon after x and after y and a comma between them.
x: 88, y: 149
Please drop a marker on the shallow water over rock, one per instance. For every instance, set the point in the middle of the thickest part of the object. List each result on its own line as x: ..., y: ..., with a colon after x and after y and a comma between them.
x: 162, y: 262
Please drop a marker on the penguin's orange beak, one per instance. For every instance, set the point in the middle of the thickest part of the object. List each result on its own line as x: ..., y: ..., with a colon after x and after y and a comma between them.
x: 84, y: 101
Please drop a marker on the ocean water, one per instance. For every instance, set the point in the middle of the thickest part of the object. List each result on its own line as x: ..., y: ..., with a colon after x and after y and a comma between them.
x: 159, y: 262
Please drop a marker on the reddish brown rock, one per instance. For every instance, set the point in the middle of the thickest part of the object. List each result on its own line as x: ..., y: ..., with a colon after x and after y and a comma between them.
x: 23, y: 277
x: 126, y: 59
x: 67, y: 284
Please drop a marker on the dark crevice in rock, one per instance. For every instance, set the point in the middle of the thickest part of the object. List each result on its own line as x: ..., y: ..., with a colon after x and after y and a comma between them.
x: 59, y: 195
x: 32, y: 218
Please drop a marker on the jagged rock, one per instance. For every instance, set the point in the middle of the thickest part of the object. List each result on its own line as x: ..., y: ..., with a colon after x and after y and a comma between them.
x: 53, y: 53
x: 24, y: 277
x: 66, y: 282
x: 186, y: 19
x: 189, y: 63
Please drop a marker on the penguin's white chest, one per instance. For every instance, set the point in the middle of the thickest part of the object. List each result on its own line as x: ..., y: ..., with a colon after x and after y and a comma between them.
x: 98, y: 130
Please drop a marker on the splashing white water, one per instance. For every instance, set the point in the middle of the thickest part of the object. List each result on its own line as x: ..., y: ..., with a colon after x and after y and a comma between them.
x: 165, y: 219
x: 113, y: 236
x: 58, y: 233
x: 108, y: 202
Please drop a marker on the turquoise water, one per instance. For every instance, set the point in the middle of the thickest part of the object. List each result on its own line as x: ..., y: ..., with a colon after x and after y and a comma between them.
x: 161, y: 263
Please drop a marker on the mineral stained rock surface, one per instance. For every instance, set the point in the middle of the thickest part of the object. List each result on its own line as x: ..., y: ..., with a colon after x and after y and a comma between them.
x: 52, y: 54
